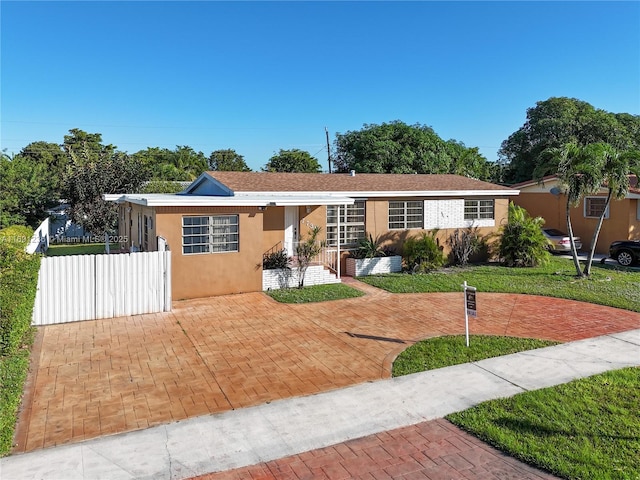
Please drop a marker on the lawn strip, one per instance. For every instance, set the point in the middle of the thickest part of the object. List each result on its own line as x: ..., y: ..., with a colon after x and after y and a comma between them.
x: 450, y: 350
x: 588, y: 428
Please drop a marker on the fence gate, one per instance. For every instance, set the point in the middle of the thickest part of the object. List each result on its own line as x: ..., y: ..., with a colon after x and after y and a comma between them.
x: 88, y: 287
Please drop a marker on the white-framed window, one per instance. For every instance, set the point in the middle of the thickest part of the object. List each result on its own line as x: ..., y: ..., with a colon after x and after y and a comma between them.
x: 594, y: 206
x: 352, y: 228
x: 210, y: 234
x: 479, y: 209
x: 406, y: 214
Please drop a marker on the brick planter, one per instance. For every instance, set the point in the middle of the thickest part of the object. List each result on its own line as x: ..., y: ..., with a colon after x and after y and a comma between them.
x: 359, y: 267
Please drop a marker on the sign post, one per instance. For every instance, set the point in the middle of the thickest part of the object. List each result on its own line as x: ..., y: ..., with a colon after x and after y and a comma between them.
x: 470, y: 308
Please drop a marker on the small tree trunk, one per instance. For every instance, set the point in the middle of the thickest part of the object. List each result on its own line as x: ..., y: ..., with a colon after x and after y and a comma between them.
x: 596, y: 233
x: 574, y: 252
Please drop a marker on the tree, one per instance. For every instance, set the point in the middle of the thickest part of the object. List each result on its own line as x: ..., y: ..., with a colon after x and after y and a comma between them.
x: 396, y: 147
x: 580, y: 173
x: 181, y: 164
x: 27, y: 192
x: 88, y: 180
x: 617, y: 166
x: 306, y: 251
x: 558, y: 121
x: 227, y: 161
x: 292, y: 161
x: 53, y: 158
x: 85, y: 147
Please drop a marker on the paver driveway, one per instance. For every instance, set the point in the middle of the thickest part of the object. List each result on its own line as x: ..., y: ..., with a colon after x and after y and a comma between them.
x: 210, y: 355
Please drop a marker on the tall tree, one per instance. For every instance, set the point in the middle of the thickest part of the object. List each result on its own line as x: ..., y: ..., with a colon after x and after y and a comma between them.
x: 396, y: 147
x: 580, y: 173
x: 293, y: 161
x: 617, y: 167
x: 85, y: 147
x: 558, y: 121
x: 227, y: 161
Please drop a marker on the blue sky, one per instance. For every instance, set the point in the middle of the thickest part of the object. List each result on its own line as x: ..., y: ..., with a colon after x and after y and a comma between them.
x: 261, y: 76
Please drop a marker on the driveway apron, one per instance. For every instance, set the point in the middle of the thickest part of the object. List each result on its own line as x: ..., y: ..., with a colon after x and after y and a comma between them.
x: 210, y: 355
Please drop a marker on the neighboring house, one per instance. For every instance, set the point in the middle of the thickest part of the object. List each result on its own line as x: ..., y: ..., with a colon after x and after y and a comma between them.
x: 622, y: 220
x: 61, y: 227
x: 222, y: 225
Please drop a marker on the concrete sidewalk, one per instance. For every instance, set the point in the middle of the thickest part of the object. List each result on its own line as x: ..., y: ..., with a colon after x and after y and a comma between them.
x: 286, y: 427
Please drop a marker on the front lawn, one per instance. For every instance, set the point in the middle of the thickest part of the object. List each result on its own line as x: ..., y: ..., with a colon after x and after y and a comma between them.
x: 450, y: 350
x: 607, y: 285
x: 589, y: 428
x: 317, y: 293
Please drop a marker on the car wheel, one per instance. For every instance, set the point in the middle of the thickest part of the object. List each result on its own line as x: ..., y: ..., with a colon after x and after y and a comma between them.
x: 624, y: 258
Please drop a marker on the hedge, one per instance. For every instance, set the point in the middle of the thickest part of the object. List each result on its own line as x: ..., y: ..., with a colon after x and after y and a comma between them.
x: 18, y: 283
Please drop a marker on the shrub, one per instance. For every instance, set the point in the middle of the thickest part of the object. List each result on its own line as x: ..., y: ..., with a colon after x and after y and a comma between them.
x: 464, y: 243
x: 18, y: 283
x: 522, y: 243
x: 306, y: 251
x: 370, y: 248
x: 423, y: 252
x: 276, y: 260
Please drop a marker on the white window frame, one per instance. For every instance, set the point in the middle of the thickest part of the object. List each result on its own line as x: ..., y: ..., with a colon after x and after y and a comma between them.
x: 479, y: 209
x: 405, y: 214
x: 587, y: 202
x: 351, y: 222
x: 210, y: 235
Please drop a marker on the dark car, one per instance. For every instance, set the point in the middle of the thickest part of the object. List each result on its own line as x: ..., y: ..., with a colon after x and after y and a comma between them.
x: 626, y: 252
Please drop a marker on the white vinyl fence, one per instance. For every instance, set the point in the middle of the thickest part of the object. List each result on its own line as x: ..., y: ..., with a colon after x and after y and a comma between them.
x: 88, y: 287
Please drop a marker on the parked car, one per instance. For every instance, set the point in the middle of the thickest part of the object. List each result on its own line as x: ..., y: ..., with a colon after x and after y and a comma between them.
x: 560, y: 241
x: 626, y: 252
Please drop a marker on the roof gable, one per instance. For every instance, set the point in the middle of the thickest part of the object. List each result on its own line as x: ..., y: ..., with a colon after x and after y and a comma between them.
x: 205, y: 184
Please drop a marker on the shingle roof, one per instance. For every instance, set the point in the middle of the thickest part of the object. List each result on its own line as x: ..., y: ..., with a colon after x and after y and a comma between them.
x: 338, y: 182
x: 634, y: 184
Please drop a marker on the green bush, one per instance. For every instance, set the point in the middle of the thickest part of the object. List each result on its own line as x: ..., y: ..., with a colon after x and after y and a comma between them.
x: 423, y: 253
x: 370, y: 248
x: 18, y: 283
x: 276, y: 260
x: 522, y: 243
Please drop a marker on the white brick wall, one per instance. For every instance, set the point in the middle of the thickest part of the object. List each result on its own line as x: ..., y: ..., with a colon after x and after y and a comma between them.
x: 373, y: 266
x: 316, y: 275
x: 450, y: 214
x: 444, y: 214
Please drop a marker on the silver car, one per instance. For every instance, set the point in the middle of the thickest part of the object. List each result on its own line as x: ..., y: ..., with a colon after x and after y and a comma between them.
x: 560, y: 241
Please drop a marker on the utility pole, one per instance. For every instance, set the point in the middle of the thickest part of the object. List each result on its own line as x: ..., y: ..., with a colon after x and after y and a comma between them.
x: 328, y: 148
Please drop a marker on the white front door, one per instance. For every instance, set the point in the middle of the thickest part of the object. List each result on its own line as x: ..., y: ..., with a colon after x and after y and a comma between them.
x: 291, y: 225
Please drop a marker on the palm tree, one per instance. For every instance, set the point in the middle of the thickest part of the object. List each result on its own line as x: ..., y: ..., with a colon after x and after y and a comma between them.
x: 580, y: 173
x: 616, y: 168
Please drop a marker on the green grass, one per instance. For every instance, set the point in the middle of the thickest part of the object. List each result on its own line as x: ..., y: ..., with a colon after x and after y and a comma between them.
x: 317, y: 293
x: 586, y: 429
x: 452, y: 350
x: 79, y: 249
x: 611, y: 286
